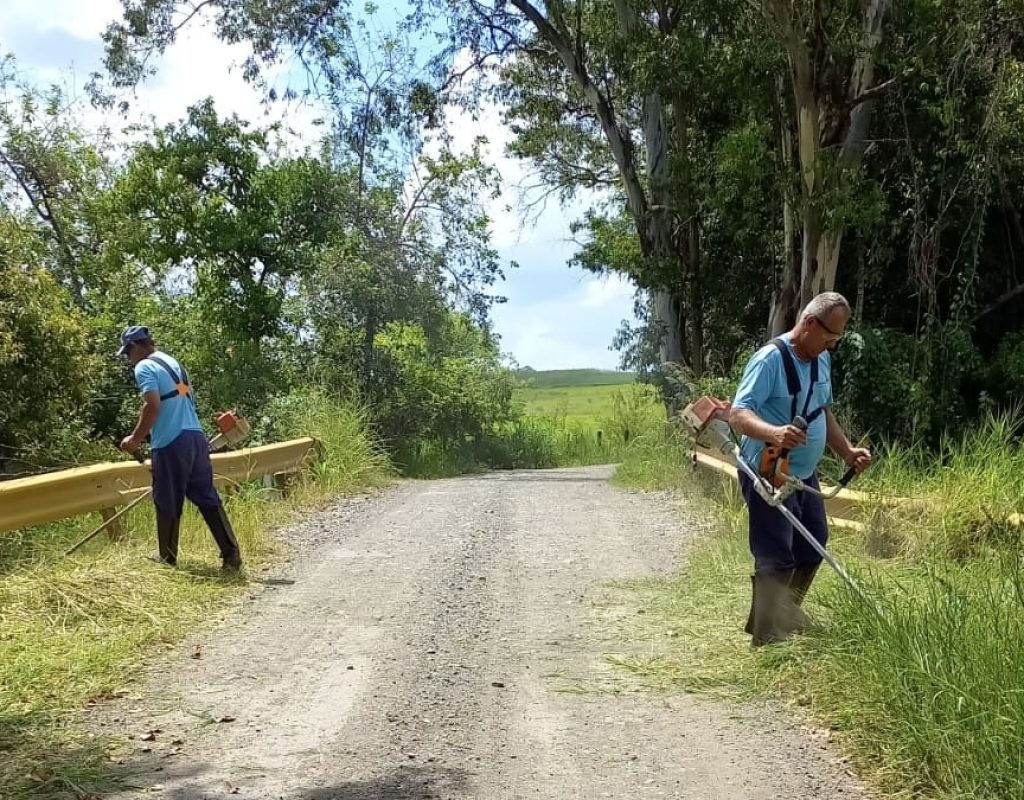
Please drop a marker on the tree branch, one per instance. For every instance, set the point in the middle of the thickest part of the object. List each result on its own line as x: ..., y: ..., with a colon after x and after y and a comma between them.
x: 881, y: 88
x: 1005, y: 297
x: 618, y: 139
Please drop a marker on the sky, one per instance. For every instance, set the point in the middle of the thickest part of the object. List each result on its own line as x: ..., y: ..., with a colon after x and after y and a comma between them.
x: 555, y: 317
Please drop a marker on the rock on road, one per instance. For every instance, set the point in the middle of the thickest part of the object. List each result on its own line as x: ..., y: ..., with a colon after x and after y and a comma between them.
x: 439, y: 642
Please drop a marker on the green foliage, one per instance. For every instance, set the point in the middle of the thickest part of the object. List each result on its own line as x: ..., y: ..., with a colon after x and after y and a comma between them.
x: 263, y: 272
x: 204, y: 192
x: 443, y: 393
x: 1006, y: 370
x: 899, y: 387
x: 43, y: 359
x: 556, y: 427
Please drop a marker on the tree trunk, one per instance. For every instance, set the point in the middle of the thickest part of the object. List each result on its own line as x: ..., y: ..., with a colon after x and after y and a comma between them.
x: 855, y: 140
x: 786, y: 293
x: 846, y: 125
x: 653, y: 208
x: 666, y: 314
x: 695, y: 298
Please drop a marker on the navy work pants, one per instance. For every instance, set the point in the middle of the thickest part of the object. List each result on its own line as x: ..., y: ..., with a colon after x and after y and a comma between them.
x: 776, y: 546
x: 183, y: 469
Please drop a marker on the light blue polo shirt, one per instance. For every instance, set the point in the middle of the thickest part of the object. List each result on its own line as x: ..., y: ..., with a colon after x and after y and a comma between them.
x: 178, y: 413
x: 763, y: 390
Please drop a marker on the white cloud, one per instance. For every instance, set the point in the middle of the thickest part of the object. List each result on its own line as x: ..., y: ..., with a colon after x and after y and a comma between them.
x: 200, y: 65
x: 84, y: 19
x: 196, y: 66
x: 603, y: 291
x: 570, y: 330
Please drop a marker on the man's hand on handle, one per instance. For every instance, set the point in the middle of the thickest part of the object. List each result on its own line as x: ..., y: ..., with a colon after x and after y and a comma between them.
x: 859, y: 459
x: 130, y: 444
x: 788, y: 436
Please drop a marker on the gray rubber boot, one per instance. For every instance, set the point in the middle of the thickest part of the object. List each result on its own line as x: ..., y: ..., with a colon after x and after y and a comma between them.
x: 803, y: 577
x: 799, y: 584
x: 749, y: 627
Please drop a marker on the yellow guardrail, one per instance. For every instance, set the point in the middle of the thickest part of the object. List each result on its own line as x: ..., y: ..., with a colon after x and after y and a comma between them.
x: 846, y: 504
x: 25, y: 502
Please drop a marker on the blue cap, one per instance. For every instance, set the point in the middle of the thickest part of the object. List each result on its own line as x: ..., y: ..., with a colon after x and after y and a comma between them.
x: 136, y: 333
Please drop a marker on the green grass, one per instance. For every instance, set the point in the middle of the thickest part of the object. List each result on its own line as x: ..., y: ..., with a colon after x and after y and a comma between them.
x: 75, y: 630
x: 587, y: 406
x: 927, y: 696
x: 547, y: 379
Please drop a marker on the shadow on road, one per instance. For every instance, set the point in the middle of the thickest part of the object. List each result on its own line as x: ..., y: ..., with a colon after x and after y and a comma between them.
x: 404, y: 783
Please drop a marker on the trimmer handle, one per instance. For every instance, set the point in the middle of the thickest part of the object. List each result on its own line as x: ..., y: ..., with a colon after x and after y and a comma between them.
x: 798, y: 422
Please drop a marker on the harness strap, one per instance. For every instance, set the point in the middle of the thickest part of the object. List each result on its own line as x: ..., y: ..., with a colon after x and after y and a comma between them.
x: 182, y: 387
x: 793, y: 381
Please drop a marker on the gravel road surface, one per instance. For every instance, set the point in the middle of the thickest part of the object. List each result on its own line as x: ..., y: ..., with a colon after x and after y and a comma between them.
x: 445, y: 640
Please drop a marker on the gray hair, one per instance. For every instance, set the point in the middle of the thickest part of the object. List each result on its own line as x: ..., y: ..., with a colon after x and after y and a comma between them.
x: 824, y: 304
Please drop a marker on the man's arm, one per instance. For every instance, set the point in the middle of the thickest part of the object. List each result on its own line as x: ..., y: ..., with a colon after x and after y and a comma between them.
x: 147, y: 419
x: 745, y: 421
x: 755, y: 387
x: 857, y: 457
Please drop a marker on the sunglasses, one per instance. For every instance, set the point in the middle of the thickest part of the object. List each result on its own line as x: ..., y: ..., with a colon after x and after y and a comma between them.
x: 818, y: 319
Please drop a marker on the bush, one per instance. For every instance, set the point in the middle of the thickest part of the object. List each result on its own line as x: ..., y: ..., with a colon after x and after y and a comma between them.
x: 904, y: 388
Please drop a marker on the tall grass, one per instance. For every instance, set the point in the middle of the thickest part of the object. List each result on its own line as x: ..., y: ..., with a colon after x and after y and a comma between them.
x: 930, y: 692
x: 928, y: 695
x: 560, y: 428
x: 526, y: 443
x: 74, y: 630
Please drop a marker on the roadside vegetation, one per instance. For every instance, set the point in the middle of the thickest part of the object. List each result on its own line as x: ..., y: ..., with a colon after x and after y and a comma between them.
x: 924, y: 694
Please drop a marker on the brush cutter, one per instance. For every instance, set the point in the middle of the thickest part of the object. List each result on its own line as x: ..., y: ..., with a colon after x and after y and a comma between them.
x: 708, y: 421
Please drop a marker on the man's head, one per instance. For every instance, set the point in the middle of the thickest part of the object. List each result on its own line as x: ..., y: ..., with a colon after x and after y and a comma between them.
x: 822, y: 323
x: 135, y: 344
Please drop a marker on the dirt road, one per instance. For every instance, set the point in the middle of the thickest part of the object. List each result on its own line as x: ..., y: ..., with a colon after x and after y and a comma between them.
x: 443, y: 641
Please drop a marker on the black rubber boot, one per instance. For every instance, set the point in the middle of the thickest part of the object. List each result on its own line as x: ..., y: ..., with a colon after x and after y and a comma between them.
x: 167, y: 530
x: 749, y: 627
x: 803, y: 577
x: 220, y: 527
x: 799, y: 584
x: 770, y: 609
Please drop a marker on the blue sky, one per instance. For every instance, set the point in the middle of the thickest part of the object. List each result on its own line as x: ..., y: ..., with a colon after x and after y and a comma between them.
x: 556, y: 317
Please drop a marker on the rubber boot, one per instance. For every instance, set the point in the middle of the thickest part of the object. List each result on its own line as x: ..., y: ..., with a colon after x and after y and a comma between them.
x: 219, y: 525
x: 803, y: 577
x: 769, y: 612
x: 749, y: 627
x: 167, y: 530
x: 799, y: 584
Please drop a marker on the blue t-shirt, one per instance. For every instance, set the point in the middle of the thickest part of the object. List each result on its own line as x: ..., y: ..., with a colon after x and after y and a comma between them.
x: 763, y: 390
x: 177, y: 413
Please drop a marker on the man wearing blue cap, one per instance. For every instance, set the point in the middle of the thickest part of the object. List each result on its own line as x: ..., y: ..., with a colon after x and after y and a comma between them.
x: 181, y: 454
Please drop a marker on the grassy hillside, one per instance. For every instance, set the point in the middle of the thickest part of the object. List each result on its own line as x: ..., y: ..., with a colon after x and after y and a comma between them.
x: 547, y: 379
x: 587, y: 406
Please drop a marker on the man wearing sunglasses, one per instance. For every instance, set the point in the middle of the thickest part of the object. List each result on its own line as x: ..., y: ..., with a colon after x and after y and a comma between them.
x: 788, y: 378
x: 181, y: 454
